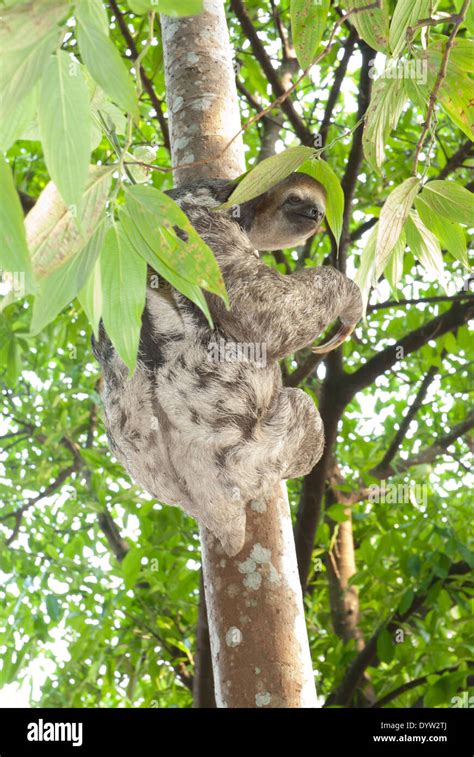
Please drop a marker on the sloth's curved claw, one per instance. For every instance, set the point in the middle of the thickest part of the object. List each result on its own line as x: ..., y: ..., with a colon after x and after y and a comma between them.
x: 340, y: 337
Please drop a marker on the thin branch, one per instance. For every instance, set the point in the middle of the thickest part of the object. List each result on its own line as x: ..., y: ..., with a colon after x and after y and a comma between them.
x: 427, y: 455
x: 360, y: 231
x: 348, y: 46
x: 456, y: 316
x: 301, y: 129
x: 351, y: 173
x: 415, y: 683
x: 456, y: 160
x: 384, y: 464
x: 50, y: 489
x: 419, y: 301
x: 350, y: 681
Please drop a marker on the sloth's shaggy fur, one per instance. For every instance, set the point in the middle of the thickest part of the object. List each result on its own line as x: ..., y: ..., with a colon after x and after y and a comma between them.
x: 209, y: 436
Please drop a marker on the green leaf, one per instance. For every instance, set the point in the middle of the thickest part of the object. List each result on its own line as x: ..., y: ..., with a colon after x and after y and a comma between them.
x: 407, y: 13
x: 268, y: 173
x: 51, y: 229
x: 441, y: 693
x: 455, y: 94
x: 53, y: 607
x: 123, y: 274
x: 394, y: 267
x: 337, y: 512
x: 450, y: 200
x: 65, y: 124
x: 152, y: 256
x: 19, y: 118
x: 91, y: 298
x: 385, y: 646
x: 451, y: 235
x: 322, y: 172
x: 14, y: 255
x: 371, y: 24
x: 365, y: 276
x: 94, y: 12
x: 28, y: 21
x: 392, y: 218
x: 406, y: 601
x: 63, y: 284
x: 168, y: 7
x: 386, y: 105
x: 156, y: 216
x: 105, y: 64
x: 308, y: 22
x: 21, y: 70
x: 131, y: 567
x: 425, y: 246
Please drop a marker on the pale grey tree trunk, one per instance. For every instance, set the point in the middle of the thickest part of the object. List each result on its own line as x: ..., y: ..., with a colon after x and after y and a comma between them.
x: 259, y: 643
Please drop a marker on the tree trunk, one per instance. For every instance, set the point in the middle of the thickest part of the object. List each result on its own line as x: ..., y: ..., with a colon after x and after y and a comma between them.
x: 259, y: 644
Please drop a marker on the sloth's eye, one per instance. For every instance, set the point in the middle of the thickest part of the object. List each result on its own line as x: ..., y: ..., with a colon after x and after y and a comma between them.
x: 293, y: 199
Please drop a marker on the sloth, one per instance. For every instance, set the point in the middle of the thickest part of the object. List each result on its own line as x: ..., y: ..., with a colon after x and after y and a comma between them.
x: 209, y: 429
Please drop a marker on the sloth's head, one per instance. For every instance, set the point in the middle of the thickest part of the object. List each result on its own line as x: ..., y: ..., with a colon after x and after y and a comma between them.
x: 287, y: 214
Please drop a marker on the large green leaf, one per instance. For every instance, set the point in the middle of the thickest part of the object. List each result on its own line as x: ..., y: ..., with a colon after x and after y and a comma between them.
x: 456, y: 92
x: 65, y: 124
x: 451, y: 235
x: 123, y: 274
x: 372, y: 24
x: 51, y: 229
x: 21, y: 70
x: 308, y: 22
x: 392, y: 218
x: 30, y: 20
x: 322, y: 172
x: 91, y: 297
x: 386, y: 104
x: 450, y: 200
x: 14, y: 255
x: 365, y: 276
x: 94, y: 12
x: 62, y: 285
x: 19, y: 118
x: 394, y: 267
x: 157, y: 259
x: 157, y: 217
x: 406, y: 14
x: 268, y: 173
x: 104, y: 62
x: 424, y: 246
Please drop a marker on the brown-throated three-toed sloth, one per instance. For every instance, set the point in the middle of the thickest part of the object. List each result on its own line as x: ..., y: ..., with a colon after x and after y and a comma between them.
x: 210, y: 429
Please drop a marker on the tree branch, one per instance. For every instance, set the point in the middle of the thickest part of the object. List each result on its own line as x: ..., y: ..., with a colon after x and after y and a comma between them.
x: 426, y: 456
x: 301, y: 129
x: 419, y: 300
x: 345, y: 691
x: 384, y: 464
x: 456, y: 316
x: 415, y: 683
x: 348, y: 46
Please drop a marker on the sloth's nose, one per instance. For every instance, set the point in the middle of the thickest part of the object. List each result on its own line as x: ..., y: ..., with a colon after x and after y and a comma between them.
x: 313, y: 210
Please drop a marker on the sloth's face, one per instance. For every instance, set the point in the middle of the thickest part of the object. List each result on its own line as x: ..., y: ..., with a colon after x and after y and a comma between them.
x: 288, y: 214
x: 304, y: 211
